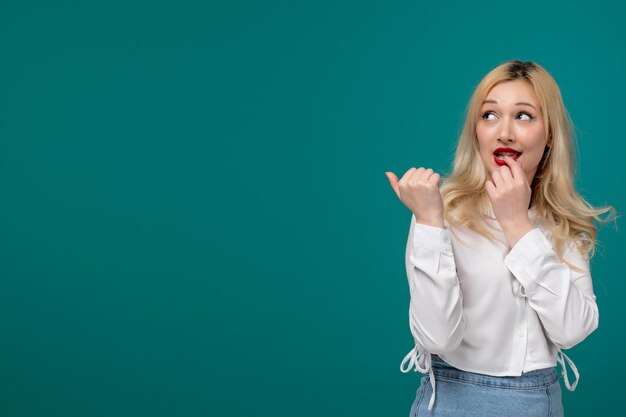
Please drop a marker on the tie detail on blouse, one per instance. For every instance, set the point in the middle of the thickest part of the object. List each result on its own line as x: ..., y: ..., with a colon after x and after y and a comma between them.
x: 422, y: 361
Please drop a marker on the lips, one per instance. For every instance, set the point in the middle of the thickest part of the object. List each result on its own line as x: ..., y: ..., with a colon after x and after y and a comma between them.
x: 498, y: 155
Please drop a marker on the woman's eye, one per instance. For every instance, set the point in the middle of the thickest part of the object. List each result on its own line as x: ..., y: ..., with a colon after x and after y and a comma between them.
x: 486, y: 115
x: 526, y: 115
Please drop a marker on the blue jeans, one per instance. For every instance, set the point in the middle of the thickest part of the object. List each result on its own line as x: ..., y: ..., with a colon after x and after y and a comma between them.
x: 466, y: 394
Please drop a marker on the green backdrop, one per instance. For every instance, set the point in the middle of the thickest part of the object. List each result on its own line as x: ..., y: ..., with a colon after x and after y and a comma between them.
x: 194, y: 215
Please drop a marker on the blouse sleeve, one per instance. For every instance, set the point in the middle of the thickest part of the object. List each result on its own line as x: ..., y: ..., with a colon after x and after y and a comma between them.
x: 562, y: 297
x: 436, y: 305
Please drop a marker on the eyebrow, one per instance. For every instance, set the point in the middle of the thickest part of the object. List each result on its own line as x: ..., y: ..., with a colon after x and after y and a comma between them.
x: 521, y: 103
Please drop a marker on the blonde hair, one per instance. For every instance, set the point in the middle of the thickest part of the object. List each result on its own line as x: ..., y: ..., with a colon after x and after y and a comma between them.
x: 566, y: 215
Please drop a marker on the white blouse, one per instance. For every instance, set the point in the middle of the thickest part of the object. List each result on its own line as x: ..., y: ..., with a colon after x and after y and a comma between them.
x: 485, y: 307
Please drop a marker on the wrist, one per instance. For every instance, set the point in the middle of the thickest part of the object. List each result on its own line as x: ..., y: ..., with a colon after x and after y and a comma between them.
x: 514, y: 232
x: 516, y: 224
x: 433, y: 222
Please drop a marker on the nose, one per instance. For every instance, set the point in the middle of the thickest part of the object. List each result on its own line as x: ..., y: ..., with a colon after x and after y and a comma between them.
x: 506, y: 131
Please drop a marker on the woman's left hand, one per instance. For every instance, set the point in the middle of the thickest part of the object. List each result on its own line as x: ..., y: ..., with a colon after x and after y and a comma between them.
x: 510, y: 193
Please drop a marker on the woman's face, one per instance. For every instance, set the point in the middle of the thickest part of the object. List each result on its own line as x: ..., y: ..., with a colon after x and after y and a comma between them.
x: 511, y: 120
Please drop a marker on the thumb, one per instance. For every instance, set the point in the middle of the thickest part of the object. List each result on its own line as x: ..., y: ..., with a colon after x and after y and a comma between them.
x: 393, y: 181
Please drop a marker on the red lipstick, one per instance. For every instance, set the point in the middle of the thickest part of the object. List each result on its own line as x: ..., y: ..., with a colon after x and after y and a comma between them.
x: 507, y: 150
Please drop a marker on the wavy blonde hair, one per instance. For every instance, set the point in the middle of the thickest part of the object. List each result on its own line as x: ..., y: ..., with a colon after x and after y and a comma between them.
x: 562, y: 210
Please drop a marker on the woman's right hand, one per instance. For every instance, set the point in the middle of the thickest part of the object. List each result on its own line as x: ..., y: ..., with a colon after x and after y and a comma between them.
x: 419, y: 191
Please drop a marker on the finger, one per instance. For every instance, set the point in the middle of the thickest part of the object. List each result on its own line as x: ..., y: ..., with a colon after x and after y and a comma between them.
x: 505, y: 172
x: 434, y: 179
x: 427, y: 174
x: 415, y: 176
x: 393, y: 181
x: 496, y: 178
x: 515, y: 166
x: 407, y: 176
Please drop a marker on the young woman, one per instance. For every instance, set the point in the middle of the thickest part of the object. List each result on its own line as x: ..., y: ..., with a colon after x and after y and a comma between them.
x: 498, y: 259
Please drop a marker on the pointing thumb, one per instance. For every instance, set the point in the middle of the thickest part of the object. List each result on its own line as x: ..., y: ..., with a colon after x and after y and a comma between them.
x: 393, y: 180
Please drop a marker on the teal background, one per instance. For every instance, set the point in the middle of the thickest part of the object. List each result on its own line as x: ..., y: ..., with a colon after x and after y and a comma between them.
x: 194, y: 215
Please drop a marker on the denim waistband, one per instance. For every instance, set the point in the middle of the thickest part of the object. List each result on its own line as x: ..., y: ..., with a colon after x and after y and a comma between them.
x: 529, y: 380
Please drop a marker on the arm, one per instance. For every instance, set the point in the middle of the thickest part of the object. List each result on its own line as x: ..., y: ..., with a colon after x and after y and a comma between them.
x: 436, y: 306
x: 563, y: 298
